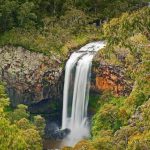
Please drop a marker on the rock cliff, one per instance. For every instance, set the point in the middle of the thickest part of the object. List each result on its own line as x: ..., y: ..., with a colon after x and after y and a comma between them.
x: 30, y: 76
x: 107, y: 77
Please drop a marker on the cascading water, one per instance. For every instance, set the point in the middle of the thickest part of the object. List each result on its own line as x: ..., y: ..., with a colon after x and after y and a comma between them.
x: 76, y: 92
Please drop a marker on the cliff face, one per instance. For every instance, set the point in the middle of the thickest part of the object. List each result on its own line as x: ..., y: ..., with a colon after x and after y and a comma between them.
x: 30, y: 76
x: 110, y: 78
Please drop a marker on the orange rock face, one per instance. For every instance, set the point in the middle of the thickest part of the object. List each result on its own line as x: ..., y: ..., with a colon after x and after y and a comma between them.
x: 110, y: 79
x: 104, y: 84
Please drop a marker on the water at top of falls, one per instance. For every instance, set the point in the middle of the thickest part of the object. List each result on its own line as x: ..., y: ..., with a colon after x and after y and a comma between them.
x: 76, y: 92
x: 92, y: 47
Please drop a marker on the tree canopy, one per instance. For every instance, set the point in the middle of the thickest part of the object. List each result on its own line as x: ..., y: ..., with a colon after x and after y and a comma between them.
x: 16, y: 130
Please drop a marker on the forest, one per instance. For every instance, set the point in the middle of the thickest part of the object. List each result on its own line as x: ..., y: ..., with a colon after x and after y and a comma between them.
x: 56, y: 28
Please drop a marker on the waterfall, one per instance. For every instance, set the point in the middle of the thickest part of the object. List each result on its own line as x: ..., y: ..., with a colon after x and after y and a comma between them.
x: 76, y: 92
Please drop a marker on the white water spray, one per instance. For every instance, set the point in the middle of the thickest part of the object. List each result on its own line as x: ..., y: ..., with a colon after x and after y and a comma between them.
x: 76, y: 92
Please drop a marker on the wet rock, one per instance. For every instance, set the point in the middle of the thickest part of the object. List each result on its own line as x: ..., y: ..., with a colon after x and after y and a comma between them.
x: 60, y: 134
x: 52, y: 131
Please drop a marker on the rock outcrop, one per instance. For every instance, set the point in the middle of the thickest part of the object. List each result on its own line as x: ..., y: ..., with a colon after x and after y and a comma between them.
x: 30, y: 76
x: 110, y: 78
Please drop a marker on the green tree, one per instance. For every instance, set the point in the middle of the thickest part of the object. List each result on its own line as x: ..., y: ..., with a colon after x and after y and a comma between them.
x: 32, y: 138
x: 19, y: 113
x: 26, y: 15
x: 10, y: 136
x: 39, y: 122
x: 18, y: 132
x: 7, y: 9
